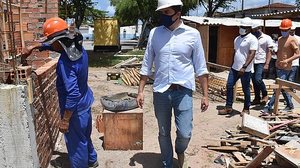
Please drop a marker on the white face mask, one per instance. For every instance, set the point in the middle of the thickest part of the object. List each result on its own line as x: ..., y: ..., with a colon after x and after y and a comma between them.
x: 242, y: 31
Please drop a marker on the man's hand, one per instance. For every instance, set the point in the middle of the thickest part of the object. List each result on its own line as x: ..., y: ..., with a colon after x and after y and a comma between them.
x: 204, y: 104
x: 140, y: 99
x: 63, y: 125
x: 283, y: 63
x: 26, y: 51
x: 266, y: 67
x: 241, y: 72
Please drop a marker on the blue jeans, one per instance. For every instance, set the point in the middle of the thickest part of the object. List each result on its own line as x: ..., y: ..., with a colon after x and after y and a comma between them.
x: 80, y: 148
x: 293, y: 73
x: 231, y: 81
x: 181, y: 101
x: 282, y: 74
x: 258, y: 83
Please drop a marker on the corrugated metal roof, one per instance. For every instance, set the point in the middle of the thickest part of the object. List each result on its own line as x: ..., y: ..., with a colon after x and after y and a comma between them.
x: 231, y: 21
x: 277, y: 13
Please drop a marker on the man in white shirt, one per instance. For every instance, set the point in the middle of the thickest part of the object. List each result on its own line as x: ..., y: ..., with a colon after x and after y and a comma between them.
x: 261, y: 63
x: 177, y: 54
x: 295, y: 63
x: 245, y: 46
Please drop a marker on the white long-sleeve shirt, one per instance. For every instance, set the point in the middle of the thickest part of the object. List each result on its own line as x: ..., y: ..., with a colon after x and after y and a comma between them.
x: 177, y: 56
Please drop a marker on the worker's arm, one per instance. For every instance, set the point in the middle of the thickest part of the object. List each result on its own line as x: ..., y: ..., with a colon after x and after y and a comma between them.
x: 140, y: 97
x: 146, y: 70
x: 203, y: 79
x: 268, y: 58
x: 26, y: 51
x: 200, y: 68
x: 249, y: 59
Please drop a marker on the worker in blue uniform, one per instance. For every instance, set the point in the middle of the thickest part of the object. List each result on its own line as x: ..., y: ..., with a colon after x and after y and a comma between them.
x: 75, y: 96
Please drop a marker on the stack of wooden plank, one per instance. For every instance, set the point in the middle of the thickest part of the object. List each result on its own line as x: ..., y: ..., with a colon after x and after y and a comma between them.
x: 269, y: 86
x: 270, y: 140
x: 216, y: 88
x: 131, y: 76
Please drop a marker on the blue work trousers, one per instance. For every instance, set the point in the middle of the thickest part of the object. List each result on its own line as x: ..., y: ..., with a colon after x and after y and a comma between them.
x: 293, y: 73
x: 181, y: 101
x: 80, y: 148
x: 258, y: 83
x: 282, y: 74
x: 231, y: 81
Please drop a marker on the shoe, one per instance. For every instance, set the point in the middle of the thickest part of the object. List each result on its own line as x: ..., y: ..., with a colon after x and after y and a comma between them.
x: 255, y: 102
x: 182, y: 161
x: 265, y: 111
x: 226, y: 110
x: 244, y: 111
x: 94, y: 165
x: 287, y: 109
x: 264, y: 100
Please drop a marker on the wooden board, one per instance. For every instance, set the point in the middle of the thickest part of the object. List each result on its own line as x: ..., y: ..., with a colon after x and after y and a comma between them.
x: 123, y: 130
x: 289, y: 154
x: 255, y: 126
x: 256, y: 162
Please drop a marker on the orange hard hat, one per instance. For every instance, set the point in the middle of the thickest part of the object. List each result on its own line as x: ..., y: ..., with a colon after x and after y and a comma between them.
x: 285, y: 24
x: 54, y: 25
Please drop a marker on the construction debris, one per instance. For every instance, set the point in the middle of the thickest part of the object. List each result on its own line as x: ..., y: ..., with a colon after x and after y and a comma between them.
x: 258, y: 143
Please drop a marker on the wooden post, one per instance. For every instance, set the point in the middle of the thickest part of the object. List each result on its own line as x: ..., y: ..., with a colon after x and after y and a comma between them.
x: 277, y: 93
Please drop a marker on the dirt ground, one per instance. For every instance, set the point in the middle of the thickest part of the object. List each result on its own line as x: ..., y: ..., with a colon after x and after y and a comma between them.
x: 207, y: 127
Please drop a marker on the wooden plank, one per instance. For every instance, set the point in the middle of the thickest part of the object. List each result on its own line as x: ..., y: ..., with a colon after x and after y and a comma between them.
x: 260, y: 157
x: 293, y: 94
x: 290, y: 153
x: 223, y: 148
x: 123, y: 130
x: 255, y: 126
x: 277, y: 93
x: 283, y: 124
x: 239, y: 156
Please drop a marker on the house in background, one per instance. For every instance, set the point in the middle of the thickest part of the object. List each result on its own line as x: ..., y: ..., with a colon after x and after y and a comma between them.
x: 131, y: 32
x: 87, y: 32
x: 274, y: 7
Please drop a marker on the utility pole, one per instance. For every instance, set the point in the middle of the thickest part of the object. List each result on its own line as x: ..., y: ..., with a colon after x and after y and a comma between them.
x: 197, y: 7
x: 243, y: 8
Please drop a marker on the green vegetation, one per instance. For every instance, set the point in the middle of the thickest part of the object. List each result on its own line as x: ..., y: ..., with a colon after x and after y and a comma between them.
x: 134, y: 52
x: 105, y: 59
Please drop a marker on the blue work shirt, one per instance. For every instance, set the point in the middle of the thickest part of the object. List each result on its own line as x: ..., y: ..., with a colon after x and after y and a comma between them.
x: 177, y: 55
x: 72, y: 76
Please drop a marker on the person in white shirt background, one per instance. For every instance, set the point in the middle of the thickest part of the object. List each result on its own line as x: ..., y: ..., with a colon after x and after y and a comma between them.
x: 176, y: 51
x: 245, y: 46
x: 272, y: 74
x: 261, y: 64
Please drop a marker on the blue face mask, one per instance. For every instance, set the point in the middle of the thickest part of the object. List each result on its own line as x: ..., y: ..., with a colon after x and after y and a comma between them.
x: 284, y: 33
x: 256, y: 34
x: 166, y: 20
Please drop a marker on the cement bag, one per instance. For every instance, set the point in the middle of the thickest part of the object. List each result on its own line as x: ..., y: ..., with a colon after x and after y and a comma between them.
x: 119, y: 102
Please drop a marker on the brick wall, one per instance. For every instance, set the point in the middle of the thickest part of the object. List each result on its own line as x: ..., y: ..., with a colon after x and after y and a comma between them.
x: 46, y: 107
x: 34, y: 13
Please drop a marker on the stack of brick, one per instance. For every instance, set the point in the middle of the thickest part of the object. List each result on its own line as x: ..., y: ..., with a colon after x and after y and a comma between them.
x: 24, y: 73
x: 46, y: 117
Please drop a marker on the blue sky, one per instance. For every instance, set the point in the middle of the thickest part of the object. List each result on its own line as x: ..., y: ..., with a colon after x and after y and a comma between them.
x: 105, y: 5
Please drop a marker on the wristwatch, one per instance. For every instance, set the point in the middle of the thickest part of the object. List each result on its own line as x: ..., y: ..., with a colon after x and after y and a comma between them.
x: 244, y: 66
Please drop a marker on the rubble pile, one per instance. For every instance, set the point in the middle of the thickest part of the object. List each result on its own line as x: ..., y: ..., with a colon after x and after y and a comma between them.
x: 261, y: 142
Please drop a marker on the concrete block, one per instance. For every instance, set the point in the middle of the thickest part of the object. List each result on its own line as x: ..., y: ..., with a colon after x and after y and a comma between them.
x: 17, y: 135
